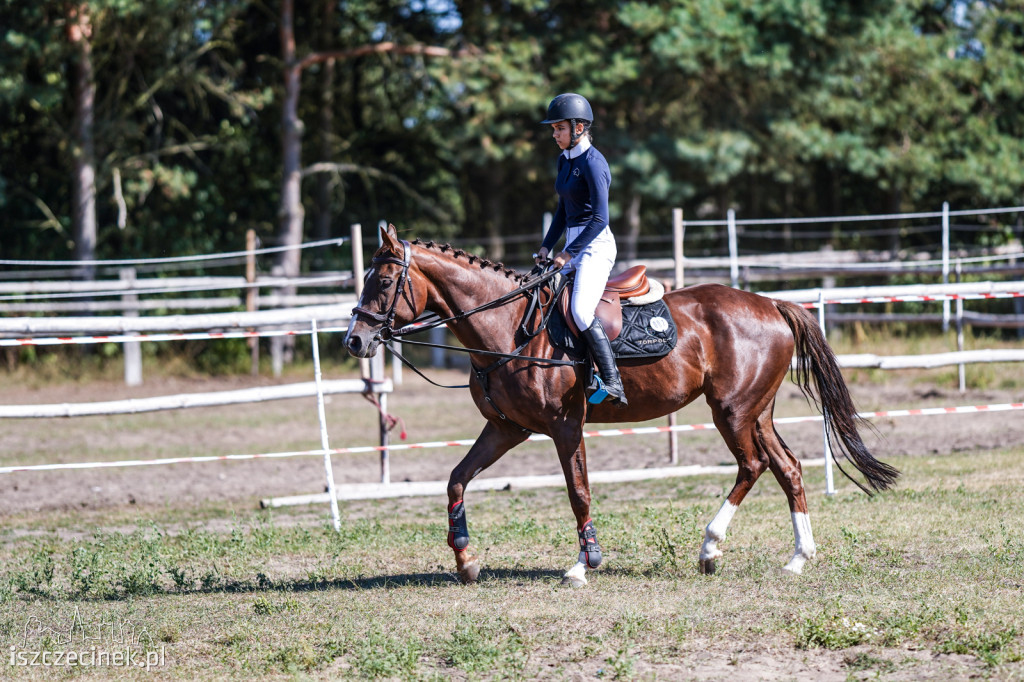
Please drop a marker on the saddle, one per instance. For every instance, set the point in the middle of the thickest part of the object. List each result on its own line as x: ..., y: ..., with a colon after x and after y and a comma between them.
x: 634, y: 316
x: 627, y: 284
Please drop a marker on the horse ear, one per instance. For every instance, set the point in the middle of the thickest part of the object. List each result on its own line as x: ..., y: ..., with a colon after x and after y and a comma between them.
x: 389, y: 238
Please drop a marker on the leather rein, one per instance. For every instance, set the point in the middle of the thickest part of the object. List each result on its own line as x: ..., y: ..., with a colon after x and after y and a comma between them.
x: 388, y: 333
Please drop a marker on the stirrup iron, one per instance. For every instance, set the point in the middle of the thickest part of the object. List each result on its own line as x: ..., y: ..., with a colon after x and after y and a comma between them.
x: 600, y: 393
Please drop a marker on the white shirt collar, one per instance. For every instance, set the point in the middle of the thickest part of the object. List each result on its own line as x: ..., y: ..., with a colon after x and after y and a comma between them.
x: 581, y: 146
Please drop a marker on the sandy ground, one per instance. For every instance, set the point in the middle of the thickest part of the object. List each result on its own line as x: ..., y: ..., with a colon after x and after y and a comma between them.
x: 427, y: 413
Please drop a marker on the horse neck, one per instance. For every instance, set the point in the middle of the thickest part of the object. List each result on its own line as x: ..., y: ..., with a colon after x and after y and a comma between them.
x: 456, y: 286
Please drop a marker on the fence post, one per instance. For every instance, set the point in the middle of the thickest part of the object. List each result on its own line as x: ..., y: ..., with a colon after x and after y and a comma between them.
x: 734, y: 269
x: 678, y: 233
x: 830, y: 488
x: 945, y: 262
x: 328, y: 470
x: 376, y: 378
x: 962, y: 369
x: 251, y: 294
x: 277, y: 342
x: 132, y: 350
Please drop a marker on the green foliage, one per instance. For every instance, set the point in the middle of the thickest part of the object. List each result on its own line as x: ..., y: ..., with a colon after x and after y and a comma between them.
x: 992, y: 647
x: 786, y: 107
x: 380, y: 656
x: 479, y: 647
x: 833, y: 629
x: 304, y: 657
x: 621, y: 664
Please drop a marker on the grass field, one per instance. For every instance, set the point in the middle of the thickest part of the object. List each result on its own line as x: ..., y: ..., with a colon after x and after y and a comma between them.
x: 924, y: 581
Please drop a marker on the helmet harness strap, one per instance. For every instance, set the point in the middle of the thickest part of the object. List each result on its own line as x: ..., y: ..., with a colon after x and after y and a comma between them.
x: 574, y: 137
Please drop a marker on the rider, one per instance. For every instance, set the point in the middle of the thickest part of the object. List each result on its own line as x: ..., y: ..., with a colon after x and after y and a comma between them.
x: 582, y: 186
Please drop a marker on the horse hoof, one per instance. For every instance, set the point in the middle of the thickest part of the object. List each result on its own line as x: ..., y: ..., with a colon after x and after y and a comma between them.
x: 574, y: 581
x: 707, y: 566
x: 469, y: 572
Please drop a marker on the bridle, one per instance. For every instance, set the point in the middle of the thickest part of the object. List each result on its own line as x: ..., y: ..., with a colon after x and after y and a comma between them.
x: 387, y: 319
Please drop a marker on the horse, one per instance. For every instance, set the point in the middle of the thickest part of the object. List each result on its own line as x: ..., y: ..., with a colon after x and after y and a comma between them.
x: 734, y: 347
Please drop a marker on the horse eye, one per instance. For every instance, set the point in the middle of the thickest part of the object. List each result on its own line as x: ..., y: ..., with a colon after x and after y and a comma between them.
x: 386, y: 282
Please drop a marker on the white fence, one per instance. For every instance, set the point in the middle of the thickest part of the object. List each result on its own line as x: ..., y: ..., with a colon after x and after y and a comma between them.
x: 30, y: 329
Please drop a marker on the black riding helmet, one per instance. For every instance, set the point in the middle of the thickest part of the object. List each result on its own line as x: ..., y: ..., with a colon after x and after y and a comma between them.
x: 573, y: 108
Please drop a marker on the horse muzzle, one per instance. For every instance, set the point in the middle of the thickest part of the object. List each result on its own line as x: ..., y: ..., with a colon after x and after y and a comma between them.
x: 361, y: 344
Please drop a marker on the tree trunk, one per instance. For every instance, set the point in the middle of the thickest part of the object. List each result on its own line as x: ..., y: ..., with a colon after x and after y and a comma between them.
x: 291, y: 212
x: 322, y: 220
x: 83, y: 151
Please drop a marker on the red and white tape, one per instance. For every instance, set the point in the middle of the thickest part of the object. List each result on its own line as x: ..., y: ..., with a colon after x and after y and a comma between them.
x: 639, y: 431
x: 911, y: 298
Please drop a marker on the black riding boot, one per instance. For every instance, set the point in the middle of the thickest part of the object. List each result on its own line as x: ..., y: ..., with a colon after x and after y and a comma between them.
x: 601, y: 349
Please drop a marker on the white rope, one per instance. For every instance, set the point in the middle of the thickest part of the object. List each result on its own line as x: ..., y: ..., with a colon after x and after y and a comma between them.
x: 138, y: 338
x: 171, y: 259
x: 894, y: 265
x: 855, y: 219
x: 604, y: 433
x: 271, y: 282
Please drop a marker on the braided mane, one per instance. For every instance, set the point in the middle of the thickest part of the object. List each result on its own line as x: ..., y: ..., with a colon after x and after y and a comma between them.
x: 473, y: 259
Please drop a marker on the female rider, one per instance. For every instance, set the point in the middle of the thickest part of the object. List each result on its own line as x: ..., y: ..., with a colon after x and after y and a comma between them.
x: 582, y: 186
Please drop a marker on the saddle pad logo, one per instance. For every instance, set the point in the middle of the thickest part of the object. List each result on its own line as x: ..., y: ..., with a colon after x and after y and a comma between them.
x: 659, y: 324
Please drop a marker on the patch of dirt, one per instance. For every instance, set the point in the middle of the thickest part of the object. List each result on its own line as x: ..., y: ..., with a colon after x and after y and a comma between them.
x: 428, y: 414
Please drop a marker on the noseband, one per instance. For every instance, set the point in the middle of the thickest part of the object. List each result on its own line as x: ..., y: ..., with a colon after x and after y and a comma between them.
x: 387, y: 319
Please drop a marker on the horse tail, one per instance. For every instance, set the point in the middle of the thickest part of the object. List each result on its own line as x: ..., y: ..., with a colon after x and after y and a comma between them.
x: 815, y: 359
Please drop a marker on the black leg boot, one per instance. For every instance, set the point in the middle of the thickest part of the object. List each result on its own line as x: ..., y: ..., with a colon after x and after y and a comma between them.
x: 601, y: 349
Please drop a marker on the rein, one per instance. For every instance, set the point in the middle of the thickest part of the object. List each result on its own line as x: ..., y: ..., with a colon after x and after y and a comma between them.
x: 387, y: 334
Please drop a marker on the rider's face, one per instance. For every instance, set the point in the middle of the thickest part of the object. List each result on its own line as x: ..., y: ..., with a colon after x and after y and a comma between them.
x: 560, y: 131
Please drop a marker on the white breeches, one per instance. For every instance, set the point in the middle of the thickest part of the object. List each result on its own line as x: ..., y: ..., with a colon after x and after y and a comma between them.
x: 593, y: 266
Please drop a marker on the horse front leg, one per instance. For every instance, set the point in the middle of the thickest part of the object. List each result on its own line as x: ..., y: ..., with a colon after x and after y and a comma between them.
x: 572, y: 453
x: 493, y: 442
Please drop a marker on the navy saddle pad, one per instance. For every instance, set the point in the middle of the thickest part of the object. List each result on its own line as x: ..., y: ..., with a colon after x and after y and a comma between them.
x: 648, y: 331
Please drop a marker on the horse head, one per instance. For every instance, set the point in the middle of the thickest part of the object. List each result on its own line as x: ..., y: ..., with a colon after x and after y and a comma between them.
x: 388, y: 297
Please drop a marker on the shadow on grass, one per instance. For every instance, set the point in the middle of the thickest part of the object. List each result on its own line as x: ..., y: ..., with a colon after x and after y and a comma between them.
x: 264, y: 585
x: 412, y: 580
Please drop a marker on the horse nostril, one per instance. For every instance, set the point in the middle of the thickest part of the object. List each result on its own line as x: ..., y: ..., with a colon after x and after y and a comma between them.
x: 354, y: 345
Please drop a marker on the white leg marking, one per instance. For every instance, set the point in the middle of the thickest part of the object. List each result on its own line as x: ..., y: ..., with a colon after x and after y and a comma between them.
x: 715, y: 532
x: 804, y: 541
x: 577, y: 575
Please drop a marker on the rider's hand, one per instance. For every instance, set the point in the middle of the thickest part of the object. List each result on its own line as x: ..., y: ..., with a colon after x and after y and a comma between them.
x: 541, y: 257
x: 561, y: 259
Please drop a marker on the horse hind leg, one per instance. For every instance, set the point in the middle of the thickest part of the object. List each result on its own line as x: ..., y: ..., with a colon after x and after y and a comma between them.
x: 752, y: 462
x: 788, y: 472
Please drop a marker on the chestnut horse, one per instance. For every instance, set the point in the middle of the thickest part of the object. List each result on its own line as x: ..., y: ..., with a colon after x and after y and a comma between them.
x: 734, y: 347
